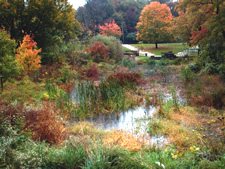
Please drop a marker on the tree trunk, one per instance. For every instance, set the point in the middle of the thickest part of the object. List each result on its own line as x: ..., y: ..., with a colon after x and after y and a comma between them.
x: 156, y: 45
x: 1, y: 84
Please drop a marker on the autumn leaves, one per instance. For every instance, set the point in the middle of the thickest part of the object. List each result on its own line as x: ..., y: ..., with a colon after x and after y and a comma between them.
x: 27, y: 55
x: 154, y: 22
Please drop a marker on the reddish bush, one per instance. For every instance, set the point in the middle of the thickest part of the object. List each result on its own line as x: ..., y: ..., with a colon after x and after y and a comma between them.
x: 46, y: 71
x: 204, y: 92
x: 45, y: 126
x: 93, y: 73
x: 98, y: 51
x: 124, y: 78
x: 43, y: 123
x: 13, y: 114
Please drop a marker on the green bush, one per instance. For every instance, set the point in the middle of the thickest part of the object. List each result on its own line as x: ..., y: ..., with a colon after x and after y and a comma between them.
x: 115, y: 47
x: 161, y: 62
x: 187, y: 75
x: 24, y: 91
x: 67, y: 74
x: 75, y: 53
x: 128, y: 63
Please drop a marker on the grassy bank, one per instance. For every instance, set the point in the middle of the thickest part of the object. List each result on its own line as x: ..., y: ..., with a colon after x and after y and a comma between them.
x: 162, y: 47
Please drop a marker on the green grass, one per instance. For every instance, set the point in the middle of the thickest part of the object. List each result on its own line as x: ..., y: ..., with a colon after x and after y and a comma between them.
x: 162, y: 47
x: 126, y: 49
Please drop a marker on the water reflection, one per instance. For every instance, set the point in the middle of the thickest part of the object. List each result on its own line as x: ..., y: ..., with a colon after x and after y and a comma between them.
x: 133, y: 121
x: 124, y: 120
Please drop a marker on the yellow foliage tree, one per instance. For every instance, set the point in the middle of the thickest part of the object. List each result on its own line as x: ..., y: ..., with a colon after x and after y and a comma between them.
x: 154, y: 23
x: 27, y: 55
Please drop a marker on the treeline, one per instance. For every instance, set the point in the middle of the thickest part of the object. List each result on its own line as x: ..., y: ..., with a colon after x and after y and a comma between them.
x: 49, y: 21
x: 126, y: 14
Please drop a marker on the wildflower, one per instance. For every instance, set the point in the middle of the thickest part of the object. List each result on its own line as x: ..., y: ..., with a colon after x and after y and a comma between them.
x: 45, y: 96
x: 174, y: 156
x: 194, y: 149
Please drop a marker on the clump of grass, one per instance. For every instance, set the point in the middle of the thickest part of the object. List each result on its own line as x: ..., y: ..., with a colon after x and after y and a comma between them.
x: 85, y: 128
x: 182, y: 138
x: 108, y: 95
x: 125, y: 140
x: 174, y: 98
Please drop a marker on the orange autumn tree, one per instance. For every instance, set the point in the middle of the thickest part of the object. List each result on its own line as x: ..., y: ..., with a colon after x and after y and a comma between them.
x: 154, y: 23
x: 110, y: 29
x: 27, y: 55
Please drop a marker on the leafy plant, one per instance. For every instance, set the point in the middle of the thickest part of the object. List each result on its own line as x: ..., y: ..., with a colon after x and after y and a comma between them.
x: 8, y: 66
x: 128, y: 63
x: 93, y: 72
x: 187, y: 75
x: 27, y: 55
x: 98, y: 51
x: 67, y: 74
x: 113, y: 44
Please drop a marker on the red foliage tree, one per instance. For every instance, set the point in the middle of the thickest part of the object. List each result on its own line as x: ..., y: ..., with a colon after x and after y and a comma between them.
x: 198, y: 36
x: 110, y: 29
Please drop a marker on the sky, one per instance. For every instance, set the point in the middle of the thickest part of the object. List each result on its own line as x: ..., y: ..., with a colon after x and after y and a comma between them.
x: 77, y: 3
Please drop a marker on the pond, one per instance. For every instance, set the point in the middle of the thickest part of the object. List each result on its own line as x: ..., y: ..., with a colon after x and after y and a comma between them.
x: 134, y: 121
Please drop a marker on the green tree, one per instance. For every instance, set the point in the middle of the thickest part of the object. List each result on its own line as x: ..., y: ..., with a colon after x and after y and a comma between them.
x: 43, y: 18
x: 124, y: 12
x: 202, y: 23
x: 95, y: 13
x: 8, y: 65
x: 154, y: 23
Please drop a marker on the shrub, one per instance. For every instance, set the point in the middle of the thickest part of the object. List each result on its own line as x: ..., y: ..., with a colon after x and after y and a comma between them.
x: 75, y: 52
x: 24, y: 90
x: 67, y: 74
x: 12, y: 114
x: 203, y: 91
x: 93, y: 72
x: 98, y: 51
x: 114, y: 45
x: 187, y: 75
x: 128, y: 63
x: 126, y: 78
x: 45, y: 126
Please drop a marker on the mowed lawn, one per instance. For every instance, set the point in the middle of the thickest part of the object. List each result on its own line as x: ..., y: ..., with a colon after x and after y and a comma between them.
x: 126, y: 49
x: 162, y: 47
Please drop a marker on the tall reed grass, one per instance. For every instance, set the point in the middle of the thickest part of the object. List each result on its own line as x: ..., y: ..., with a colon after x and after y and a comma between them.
x: 108, y: 96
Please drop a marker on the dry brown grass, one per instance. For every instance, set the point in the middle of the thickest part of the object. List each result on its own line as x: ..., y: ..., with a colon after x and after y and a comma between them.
x: 123, y: 139
x: 45, y: 126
